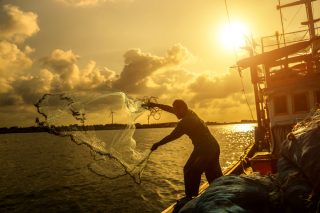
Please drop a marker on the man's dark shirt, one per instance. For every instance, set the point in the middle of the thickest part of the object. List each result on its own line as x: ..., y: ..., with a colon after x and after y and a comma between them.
x: 197, y: 131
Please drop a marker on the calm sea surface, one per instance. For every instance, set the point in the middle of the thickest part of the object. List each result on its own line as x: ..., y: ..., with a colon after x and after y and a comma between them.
x: 45, y: 173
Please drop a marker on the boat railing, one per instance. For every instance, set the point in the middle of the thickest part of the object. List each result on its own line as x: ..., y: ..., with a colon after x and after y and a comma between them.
x: 295, y: 66
x: 281, y: 40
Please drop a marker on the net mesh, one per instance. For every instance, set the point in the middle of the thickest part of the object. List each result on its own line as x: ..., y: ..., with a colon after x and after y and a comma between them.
x: 312, y: 121
x: 81, y: 115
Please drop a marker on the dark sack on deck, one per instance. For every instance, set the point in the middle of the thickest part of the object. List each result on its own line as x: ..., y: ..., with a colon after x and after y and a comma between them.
x: 235, y: 194
x: 295, y: 189
x: 303, y: 151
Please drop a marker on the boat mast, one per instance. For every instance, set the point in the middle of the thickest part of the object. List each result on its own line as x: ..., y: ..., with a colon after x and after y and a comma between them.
x: 310, y: 21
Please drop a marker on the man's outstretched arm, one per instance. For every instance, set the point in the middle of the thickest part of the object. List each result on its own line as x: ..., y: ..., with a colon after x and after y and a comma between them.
x: 161, y: 106
x: 176, y: 133
x: 165, y: 140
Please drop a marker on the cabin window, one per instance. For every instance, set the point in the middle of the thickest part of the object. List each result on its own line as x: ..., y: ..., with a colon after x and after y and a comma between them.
x: 300, y: 102
x: 317, y: 97
x: 280, y: 105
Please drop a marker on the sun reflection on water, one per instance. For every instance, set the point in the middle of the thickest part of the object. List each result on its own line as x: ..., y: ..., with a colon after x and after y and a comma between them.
x: 233, y: 140
x: 243, y: 127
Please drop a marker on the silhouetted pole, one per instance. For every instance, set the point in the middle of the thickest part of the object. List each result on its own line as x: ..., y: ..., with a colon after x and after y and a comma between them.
x: 112, y: 112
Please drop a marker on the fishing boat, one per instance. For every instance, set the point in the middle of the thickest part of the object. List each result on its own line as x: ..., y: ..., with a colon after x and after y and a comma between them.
x: 286, y: 81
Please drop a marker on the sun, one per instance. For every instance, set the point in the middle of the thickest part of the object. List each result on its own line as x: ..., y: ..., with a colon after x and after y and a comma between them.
x: 233, y: 35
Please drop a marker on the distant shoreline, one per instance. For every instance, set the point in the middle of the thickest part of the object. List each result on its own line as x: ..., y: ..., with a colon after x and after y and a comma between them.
x: 74, y: 127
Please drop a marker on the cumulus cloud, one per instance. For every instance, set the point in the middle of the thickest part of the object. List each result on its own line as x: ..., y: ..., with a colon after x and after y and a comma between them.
x: 222, y: 96
x: 226, y: 109
x: 32, y: 87
x: 13, y: 62
x: 17, y: 25
x: 140, y: 67
x: 207, y: 87
x: 25, y: 90
x: 143, y: 74
x: 59, y: 72
x: 66, y: 75
x: 62, y: 65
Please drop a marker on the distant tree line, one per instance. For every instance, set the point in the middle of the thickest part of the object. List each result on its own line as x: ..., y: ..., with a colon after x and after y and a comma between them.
x: 76, y: 127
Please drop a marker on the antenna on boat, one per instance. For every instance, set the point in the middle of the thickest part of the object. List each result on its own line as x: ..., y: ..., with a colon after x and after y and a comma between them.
x: 281, y: 18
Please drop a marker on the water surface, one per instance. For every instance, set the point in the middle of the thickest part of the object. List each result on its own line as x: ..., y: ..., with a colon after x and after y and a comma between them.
x: 45, y: 173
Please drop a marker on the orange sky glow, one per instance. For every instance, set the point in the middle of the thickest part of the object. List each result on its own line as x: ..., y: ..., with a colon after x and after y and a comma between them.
x: 164, y: 48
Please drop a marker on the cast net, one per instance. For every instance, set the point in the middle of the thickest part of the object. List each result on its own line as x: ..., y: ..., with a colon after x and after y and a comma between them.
x: 81, y: 115
x: 312, y: 121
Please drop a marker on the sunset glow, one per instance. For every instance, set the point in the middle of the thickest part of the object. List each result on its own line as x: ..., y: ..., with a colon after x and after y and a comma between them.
x: 163, y: 49
x: 233, y: 35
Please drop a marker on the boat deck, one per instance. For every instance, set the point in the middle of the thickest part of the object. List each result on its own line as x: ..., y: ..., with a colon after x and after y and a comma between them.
x: 238, y: 167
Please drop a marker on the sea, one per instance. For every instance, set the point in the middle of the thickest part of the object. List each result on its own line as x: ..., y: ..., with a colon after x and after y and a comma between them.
x: 40, y: 172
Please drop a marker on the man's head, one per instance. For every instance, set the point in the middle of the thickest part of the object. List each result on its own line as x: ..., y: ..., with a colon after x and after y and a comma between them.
x: 180, y: 108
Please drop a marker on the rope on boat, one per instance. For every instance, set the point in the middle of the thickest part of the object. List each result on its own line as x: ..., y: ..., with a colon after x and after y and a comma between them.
x: 236, y: 57
x: 245, y: 94
x: 243, y: 159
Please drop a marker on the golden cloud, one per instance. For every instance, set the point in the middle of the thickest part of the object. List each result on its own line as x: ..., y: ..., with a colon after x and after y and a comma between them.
x: 207, y: 87
x: 17, y: 25
x: 67, y: 75
x: 13, y: 61
x: 140, y: 68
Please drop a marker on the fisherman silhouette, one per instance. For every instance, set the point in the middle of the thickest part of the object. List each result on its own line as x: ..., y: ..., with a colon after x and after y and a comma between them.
x: 205, y: 155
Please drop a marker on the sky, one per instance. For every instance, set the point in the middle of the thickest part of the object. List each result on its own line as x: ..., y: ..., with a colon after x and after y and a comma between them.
x: 169, y: 49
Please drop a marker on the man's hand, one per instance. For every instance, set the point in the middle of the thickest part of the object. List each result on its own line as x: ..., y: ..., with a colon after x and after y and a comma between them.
x: 149, y: 105
x: 154, y: 146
